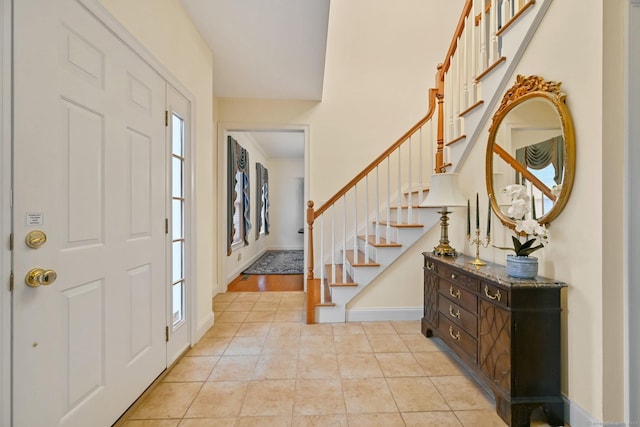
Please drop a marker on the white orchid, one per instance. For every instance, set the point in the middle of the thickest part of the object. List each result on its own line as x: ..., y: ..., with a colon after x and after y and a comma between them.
x: 525, y: 227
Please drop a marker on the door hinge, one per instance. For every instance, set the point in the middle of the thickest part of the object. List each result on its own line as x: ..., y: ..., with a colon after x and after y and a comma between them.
x: 166, y: 226
x: 11, y: 282
x: 166, y: 117
x: 166, y: 333
x: 11, y: 241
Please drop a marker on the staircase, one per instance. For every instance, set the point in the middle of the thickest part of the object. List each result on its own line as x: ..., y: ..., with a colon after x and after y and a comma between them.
x: 376, y: 217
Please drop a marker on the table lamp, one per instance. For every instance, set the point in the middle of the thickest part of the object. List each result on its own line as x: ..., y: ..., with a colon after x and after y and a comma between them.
x: 444, y: 192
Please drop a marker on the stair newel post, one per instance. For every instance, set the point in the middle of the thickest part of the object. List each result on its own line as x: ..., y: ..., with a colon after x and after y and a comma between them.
x: 366, y: 218
x: 344, y: 238
x: 410, y: 172
x: 377, y: 227
x: 439, y: 167
x: 311, y: 298
x: 399, y: 198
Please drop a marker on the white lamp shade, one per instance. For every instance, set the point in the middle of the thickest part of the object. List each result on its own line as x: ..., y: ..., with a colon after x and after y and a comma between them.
x: 444, y: 191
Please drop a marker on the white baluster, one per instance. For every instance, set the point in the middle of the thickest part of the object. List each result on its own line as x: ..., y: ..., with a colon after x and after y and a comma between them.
x: 420, y: 167
x: 475, y: 52
x: 322, y: 259
x: 484, y: 51
x: 399, y: 198
x: 366, y: 219
x: 355, y: 224
x: 410, y: 202
x: 493, y: 25
x: 377, y: 227
x: 333, y: 243
x: 464, y: 104
x: 344, y: 240
x: 388, y: 227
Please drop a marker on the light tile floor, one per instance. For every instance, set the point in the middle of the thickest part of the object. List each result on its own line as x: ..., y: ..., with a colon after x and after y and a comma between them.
x: 260, y: 365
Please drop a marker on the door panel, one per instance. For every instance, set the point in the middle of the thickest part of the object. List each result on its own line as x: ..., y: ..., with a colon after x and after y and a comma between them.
x: 89, y: 171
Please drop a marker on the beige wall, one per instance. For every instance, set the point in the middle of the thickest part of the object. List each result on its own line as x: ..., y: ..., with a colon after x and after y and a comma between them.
x: 167, y: 32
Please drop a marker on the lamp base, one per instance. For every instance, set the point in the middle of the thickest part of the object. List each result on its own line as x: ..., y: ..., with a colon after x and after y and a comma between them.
x: 444, y: 249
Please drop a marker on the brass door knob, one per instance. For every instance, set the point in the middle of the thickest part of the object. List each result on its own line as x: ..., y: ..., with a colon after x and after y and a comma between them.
x: 39, y: 276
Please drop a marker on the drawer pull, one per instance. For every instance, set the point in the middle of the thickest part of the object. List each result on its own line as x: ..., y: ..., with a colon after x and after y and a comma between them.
x: 456, y: 314
x: 429, y: 265
x: 455, y: 336
x: 454, y: 292
x: 453, y: 276
x: 497, y: 296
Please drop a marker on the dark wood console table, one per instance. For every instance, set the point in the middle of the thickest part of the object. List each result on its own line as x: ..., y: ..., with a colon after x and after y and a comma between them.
x: 506, y: 330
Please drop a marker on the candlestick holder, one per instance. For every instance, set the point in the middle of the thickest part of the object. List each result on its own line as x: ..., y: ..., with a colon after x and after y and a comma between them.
x: 477, y: 242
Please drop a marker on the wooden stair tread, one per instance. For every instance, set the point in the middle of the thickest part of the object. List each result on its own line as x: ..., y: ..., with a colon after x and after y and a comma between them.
x: 417, y: 191
x: 338, y: 279
x: 382, y: 244
x: 360, y: 263
x: 397, y: 225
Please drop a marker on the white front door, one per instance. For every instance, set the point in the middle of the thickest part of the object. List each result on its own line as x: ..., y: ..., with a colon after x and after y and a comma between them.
x: 89, y: 172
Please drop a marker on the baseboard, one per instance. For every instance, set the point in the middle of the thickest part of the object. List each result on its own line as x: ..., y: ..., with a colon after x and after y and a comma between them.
x: 236, y: 272
x: 575, y: 415
x: 382, y: 314
x: 203, y: 326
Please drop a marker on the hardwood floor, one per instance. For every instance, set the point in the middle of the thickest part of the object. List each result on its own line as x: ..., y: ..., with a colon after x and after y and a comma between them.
x: 267, y: 282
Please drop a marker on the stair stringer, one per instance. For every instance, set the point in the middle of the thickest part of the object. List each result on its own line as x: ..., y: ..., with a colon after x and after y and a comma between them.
x: 515, y: 40
x: 364, y: 276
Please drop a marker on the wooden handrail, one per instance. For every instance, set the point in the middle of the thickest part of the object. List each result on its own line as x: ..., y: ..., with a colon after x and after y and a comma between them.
x: 380, y: 158
x: 456, y: 35
x: 523, y: 170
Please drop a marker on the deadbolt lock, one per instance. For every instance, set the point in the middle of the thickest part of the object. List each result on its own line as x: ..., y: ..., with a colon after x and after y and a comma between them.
x: 35, y: 239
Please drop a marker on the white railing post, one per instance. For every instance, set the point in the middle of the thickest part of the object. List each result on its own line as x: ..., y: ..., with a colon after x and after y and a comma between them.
x: 366, y: 219
x: 321, y: 263
x: 333, y: 243
x: 410, y: 197
x: 484, y: 29
x: 399, y: 199
x: 344, y: 239
x: 388, y: 226
x: 420, y: 167
x: 355, y: 224
x: 493, y: 25
x: 377, y: 226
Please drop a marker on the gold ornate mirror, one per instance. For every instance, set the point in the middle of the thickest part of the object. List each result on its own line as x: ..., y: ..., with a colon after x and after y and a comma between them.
x: 531, y: 142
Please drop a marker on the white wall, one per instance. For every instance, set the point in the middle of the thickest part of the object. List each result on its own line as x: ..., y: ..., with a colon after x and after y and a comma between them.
x: 287, y: 213
x: 164, y: 28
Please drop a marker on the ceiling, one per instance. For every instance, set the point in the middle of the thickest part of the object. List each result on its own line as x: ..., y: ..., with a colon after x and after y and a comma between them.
x: 271, y: 49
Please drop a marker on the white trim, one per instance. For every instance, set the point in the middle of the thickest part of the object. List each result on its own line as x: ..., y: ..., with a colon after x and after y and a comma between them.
x: 575, y: 415
x: 631, y: 221
x: 5, y: 211
x: 203, y: 326
x: 236, y: 271
x: 103, y: 15
x: 223, y: 129
x: 383, y: 314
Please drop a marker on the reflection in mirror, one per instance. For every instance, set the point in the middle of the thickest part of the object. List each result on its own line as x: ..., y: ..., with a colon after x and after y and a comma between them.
x: 531, y: 143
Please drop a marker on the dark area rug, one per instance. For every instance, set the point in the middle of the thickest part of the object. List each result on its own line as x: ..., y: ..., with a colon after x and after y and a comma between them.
x: 278, y: 262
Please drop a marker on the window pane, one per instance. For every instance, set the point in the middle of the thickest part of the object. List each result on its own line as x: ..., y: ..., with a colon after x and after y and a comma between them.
x: 178, y: 303
x: 177, y: 177
x: 178, y: 250
x: 177, y: 126
x: 177, y: 223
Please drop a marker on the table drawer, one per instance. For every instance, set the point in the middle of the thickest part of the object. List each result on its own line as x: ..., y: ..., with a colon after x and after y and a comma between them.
x: 458, y: 278
x: 459, y: 295
x: 455, y: 336
x: 495, y: 294
x: 458, y: 315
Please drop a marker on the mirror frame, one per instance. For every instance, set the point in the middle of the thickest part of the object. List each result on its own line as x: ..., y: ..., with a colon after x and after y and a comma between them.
x: 524, y: 89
